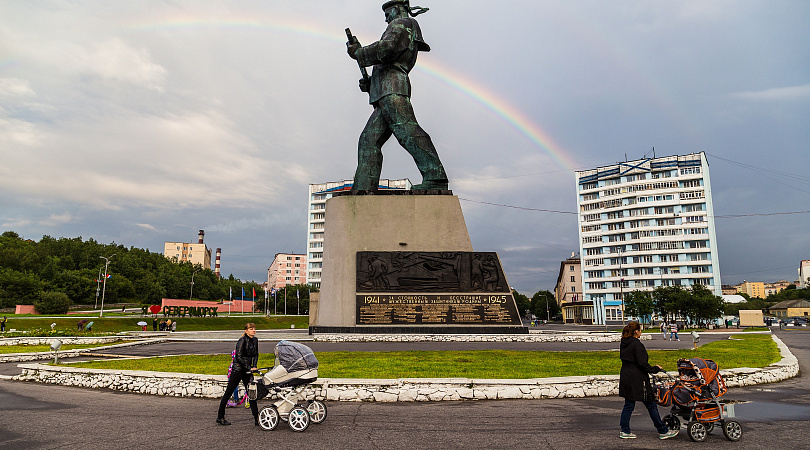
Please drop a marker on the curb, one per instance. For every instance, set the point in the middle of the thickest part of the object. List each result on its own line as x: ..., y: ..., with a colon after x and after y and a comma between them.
x: 38, y: 356
x: 384, y: 390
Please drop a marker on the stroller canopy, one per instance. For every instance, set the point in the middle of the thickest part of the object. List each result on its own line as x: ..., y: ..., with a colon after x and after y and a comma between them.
x: 704, y: 373
x: 294, y: 356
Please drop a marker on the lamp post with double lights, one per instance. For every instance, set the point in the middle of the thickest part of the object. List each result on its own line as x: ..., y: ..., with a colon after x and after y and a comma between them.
x: 98, y: 286
x: 104, y: 289
x: 191, y: 294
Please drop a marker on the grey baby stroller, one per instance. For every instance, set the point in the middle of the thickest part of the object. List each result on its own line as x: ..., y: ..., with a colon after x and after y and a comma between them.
x: 297, y: 368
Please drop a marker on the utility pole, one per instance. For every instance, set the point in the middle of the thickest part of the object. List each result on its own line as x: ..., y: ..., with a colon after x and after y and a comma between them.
x: 104, y: 289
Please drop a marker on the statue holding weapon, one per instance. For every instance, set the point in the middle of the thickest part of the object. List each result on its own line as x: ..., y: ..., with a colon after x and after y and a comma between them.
x: 389, y: 89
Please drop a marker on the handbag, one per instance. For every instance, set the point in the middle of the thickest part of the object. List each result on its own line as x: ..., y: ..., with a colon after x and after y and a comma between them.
x: 253, y: 391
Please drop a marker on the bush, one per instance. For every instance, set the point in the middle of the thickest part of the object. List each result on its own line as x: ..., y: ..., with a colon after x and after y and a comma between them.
x: 53, y: 303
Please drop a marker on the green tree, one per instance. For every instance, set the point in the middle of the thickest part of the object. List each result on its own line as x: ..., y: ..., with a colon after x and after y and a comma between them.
x: 707, y: 306
x: 19, y: 288
x: 544, y: 305
x: 523, y: 303
x: 52, y: 303
x: 639, y: 304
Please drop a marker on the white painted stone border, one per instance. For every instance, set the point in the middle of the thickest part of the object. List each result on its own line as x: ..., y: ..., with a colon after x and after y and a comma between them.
x: 576, y: 336
x: 391, y: 390
x: 66, y: 340
x: 38, y: 356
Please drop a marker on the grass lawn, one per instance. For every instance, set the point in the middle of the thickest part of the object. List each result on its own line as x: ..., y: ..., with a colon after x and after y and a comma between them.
x: 117, y: 324
x: 744, y: 351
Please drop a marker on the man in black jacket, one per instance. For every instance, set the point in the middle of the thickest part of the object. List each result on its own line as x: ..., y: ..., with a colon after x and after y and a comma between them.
x: 244, y: 363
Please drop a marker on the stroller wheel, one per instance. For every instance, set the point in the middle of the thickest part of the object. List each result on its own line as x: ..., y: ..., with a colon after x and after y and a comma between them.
x: 268, y: 418
x: 298, y: 418
x: 672, y: 421
x: 709, y: 427
x: 696, y: 431
x: 732, y: 430
x: 317, y: 411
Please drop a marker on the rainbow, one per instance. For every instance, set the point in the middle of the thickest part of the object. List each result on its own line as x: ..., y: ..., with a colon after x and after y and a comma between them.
x: 470, y: 88
x: 506, y: 111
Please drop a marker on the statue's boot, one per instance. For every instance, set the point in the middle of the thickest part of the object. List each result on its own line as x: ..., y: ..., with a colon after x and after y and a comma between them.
x: 428, y: 185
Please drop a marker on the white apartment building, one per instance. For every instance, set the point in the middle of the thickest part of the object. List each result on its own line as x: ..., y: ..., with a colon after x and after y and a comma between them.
x: 644, y: 224
x: 318, y: 195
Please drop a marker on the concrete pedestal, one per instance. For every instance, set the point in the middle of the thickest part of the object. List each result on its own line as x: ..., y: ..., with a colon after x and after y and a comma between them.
x: 379, y: 223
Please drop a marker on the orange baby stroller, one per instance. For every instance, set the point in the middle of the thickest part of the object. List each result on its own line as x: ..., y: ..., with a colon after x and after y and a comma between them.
x: 695, y: 399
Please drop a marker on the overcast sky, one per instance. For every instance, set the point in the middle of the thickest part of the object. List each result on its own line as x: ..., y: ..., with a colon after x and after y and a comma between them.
x: 141, y: 122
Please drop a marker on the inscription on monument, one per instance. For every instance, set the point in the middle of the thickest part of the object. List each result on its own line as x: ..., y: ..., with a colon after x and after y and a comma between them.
x: 409, y: 309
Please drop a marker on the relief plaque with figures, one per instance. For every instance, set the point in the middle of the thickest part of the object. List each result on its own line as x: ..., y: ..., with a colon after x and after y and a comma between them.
x: 433, y: 288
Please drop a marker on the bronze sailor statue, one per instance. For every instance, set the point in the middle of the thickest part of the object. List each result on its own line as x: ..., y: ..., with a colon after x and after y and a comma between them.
x: 389, y: 90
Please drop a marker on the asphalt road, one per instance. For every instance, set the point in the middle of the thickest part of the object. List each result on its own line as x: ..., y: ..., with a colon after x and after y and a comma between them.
x: 46, y: 416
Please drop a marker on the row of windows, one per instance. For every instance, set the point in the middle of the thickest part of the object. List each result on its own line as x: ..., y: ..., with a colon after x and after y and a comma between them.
x: 647, y: 233
x: 692, y: 194
x: 646, y: 259
x: 643, y: 176
x: 602, y: 285
x: 637, y: 271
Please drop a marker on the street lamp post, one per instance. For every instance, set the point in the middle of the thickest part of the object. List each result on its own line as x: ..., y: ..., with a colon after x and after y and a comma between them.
x: 98, y: 286
x: 104, y: 289
x: 191, y: 294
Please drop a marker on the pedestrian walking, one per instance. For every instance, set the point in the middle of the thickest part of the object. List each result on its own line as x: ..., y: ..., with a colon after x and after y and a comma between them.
x: 244, y: 364
x: 3, y: 324
x: 634, y: 383
x: 664, y: 329
x: 673, y: 331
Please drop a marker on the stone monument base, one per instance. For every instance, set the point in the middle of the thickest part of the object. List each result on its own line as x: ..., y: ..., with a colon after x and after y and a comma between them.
x: 422, y: 329
x: 404, y: 264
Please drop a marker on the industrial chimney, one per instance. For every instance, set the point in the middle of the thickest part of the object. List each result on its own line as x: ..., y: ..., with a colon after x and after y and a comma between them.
x: 216, y: 264
x: 201, y: 235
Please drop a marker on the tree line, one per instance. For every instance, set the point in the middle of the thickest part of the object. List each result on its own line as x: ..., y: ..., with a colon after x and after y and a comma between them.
x: 542, y: 304
x: 696, y: 305
x: 70, y: 270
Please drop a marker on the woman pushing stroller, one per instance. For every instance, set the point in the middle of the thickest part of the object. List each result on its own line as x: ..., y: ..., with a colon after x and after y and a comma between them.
x: 634, y: 382
x: 245, y: 362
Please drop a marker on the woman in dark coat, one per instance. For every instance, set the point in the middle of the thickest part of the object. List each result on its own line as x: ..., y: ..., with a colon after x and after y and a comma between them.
x: 634, y: 382
x: 244, y: 363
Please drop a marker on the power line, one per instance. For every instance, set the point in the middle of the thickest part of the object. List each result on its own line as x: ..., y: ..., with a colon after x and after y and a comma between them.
x: 725, y: 216
x: 517, y: 207
x: 518, y: 234
x: 761, y: 271
x: 775, y: 172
